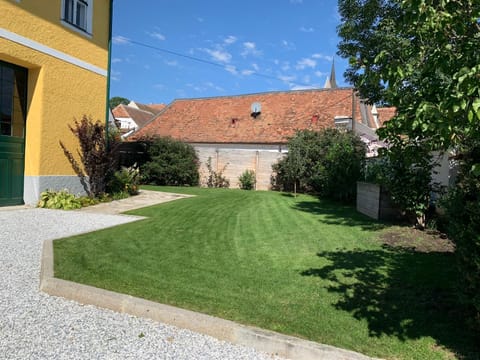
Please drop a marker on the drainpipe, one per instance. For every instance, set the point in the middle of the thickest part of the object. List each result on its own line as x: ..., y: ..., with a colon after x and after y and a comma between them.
x: 109, y: 65
x: 257, y: 158
x: 353, y: 110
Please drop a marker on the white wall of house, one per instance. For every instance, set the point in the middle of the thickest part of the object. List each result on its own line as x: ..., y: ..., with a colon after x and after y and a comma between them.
x: 445, y: 172
x: 127, y: 123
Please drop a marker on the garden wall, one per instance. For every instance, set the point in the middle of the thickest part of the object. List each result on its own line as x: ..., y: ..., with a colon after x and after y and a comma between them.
x: 236, y: 158
x: 374, y: 201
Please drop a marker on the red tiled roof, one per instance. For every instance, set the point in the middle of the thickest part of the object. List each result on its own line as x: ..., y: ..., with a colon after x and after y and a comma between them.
x: 385, y: 114
x: 228, y: 119
x: 153, y: 108
x: 140, y: 117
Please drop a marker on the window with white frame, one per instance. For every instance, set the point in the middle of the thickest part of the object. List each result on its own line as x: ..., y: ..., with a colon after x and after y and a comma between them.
x: 78, y: 13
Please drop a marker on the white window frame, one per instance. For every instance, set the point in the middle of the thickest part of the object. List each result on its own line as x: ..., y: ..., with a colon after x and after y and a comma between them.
x: 87, y: 30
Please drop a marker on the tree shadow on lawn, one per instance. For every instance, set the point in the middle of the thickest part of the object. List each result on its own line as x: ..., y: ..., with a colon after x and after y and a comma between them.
x: 338, y: 214
x: 401, y: 293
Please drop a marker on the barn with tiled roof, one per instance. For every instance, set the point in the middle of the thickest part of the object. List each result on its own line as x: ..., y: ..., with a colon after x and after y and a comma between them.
x: 250, y: 132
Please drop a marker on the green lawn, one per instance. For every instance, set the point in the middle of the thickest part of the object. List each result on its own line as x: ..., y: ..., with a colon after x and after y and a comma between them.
x: 299, y: 266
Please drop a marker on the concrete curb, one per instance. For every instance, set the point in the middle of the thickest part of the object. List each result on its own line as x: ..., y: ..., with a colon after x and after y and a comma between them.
x: 261, y: 340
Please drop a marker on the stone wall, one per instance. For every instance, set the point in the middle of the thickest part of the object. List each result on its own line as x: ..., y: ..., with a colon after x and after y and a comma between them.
x: 234, y: 159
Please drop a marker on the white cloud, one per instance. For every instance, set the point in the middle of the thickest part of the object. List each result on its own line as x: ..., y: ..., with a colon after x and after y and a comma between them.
x: 322, y: 57
x: 305, y: 63
x: 307, y: 30
x: 200, y: 19
x: 157, y: 35
x: 296, y: 1
x: 320, y: 74
x: 248, y: 72
x: 229, y: 40
x: 171, y: 62
x: 204, y: 87
x: 250, y: 48
x: 303, y: 87
x: 211, y: 85
x: 255, y: 67
x: 219, y: 55
x: 287, y: 78
x: 288, y: 45
x: 285, y: 66
x: 159, y: 86
x: 120, y: 40
x: 115, y: 75
x: 116, y: 60
x: 231, y: 69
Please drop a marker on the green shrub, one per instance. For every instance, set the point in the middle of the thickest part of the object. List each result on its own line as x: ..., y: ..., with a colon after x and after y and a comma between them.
x: 88, y: 201
x: 406, y: 173
x: 462, y: 212
x: 215, y: 179
x: 247, y: 180
x: 125, y: 180
x: 328, y: 162
x: 171, y: 162
x: 62, y: 199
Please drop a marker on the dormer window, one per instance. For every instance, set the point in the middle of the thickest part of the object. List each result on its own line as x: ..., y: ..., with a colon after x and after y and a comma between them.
x: 78, y: 14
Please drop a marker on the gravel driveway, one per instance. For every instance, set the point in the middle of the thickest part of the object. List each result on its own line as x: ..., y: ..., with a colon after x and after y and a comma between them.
x: 34, y: 325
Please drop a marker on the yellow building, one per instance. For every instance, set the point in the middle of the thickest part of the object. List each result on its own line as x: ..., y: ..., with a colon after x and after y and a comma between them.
x: 54, y: 61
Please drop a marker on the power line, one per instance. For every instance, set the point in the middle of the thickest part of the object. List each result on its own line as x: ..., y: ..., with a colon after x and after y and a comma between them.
x: 212, y: 63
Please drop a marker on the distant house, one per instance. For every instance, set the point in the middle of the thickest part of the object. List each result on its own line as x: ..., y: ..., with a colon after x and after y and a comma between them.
x: 134, y: 116
x: 251, y: 131
x: 53, y: 68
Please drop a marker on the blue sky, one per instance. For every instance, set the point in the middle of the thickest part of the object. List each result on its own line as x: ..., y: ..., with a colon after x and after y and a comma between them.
x: 169, y: 49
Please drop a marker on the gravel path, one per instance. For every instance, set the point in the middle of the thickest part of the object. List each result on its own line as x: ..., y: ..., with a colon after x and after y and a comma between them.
x: 34, y: 325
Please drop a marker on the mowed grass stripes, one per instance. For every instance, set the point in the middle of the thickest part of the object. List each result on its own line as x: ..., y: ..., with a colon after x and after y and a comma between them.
x: 300, y: 266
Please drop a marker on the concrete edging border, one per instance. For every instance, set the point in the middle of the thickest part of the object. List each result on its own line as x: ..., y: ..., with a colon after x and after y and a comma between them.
x: 259, y: 339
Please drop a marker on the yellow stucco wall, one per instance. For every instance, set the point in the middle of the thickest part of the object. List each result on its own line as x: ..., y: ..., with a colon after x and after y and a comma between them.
x: 58, y: 90
x: 40, y: 20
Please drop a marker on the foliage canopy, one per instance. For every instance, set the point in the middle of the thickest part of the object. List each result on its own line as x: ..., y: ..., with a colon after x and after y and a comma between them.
x: 171, y: 162
x: 328, y: 162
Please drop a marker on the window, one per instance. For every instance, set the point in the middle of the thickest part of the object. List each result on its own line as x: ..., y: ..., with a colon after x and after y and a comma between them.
x: 13, y: 99
x: 78, y: 13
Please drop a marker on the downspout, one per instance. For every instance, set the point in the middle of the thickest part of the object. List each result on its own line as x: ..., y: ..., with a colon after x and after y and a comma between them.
x: 107, y: 108
x: 353, y: 110
x: 257, y: 161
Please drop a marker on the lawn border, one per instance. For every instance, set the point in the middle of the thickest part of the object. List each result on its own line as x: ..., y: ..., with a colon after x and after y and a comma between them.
x: 226, y: 330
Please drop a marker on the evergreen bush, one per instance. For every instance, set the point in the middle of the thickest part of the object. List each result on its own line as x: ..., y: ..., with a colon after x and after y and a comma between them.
x: 171, y: 162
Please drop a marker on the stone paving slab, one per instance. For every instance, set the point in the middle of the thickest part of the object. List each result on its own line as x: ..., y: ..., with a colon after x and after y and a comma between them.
x: 143, y: 199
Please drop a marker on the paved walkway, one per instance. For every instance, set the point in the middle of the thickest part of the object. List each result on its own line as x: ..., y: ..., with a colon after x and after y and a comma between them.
x: 143, y: 199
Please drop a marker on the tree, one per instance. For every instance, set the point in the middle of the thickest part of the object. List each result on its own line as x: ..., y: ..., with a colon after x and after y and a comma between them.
x: 328, y: 162
x: 422, y: 57
x: 117, y: 100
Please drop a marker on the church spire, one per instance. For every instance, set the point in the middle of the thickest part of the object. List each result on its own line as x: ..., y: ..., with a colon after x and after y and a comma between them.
x: 331, y: 83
